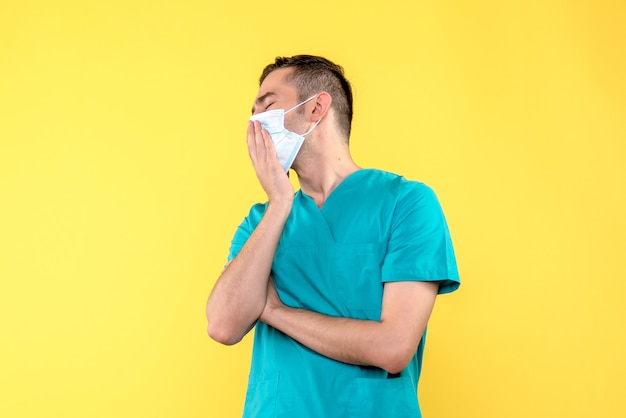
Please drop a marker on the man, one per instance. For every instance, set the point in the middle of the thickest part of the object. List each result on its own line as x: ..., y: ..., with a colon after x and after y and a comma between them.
x: 340, y: 277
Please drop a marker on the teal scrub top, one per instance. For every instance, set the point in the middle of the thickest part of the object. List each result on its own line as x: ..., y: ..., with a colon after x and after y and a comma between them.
x: 375, y: 227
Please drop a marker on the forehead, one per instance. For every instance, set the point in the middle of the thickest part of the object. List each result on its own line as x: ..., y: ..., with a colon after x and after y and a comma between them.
x: 276, y: 83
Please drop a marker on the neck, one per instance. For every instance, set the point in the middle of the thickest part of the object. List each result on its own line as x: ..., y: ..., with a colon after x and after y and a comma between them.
x: 320, y: 173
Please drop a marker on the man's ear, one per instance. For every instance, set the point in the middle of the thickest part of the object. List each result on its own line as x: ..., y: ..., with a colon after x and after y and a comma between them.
x: 322, y: 104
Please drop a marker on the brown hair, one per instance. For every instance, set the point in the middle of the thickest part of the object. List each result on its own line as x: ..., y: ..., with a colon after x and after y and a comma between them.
x: 313, y: 74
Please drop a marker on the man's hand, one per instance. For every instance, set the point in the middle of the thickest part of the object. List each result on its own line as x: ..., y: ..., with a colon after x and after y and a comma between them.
x: 268, y: 170
x: 272, y: 302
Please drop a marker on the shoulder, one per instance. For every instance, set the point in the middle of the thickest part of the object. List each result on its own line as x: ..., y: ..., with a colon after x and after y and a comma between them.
x: 412, y: 203
x: 403, y: 188
x: 256, y: 211
x: 245, y: 228
x: 253, y: 217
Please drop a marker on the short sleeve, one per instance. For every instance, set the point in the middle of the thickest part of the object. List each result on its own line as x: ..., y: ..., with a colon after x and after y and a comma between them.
x: 420, y: 247
x: 244, y: 230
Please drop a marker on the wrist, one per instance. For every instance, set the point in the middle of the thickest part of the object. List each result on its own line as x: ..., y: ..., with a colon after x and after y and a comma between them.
x: 270, y: 314
x: 280, y: 206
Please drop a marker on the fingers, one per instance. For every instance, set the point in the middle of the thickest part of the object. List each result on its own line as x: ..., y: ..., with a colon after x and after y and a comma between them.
x: 253, y: 141
x: 256, y: 143
x: 268, y: 169
x: 260, y: 145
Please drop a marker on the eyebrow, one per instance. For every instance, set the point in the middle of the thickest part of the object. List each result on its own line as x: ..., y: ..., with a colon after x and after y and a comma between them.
x: 261, y: 99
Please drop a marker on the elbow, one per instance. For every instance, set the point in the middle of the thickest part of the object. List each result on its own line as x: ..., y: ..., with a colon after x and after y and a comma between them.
x: 227, y: 328
x: 222, y: 335
x: 396, y: 367
x: 220, y: 328
x: 396, y: 357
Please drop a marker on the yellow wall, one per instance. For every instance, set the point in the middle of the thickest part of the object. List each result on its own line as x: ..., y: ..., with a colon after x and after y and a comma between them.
x: 123, y: 173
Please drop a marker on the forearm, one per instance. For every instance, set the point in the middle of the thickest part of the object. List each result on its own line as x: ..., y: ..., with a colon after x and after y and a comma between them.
x: 353, y: 341
x: 389, y: 343
x: 239, y: 295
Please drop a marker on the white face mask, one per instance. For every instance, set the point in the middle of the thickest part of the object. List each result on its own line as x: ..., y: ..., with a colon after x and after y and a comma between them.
x: 287, y: 143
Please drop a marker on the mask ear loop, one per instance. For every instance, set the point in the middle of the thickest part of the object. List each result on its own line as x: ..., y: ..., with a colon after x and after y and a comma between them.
x: 300, y: 104
x: 312, y: 127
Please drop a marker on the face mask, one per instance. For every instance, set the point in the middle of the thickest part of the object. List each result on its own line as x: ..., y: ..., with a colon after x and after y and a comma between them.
x: 287, y: 143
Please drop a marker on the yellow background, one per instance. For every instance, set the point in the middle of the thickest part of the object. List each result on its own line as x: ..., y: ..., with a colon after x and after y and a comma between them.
x: 123, y: 174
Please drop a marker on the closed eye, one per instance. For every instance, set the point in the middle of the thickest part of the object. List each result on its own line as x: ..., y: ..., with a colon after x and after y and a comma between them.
x: 263, y: 99
x: 268, y: 106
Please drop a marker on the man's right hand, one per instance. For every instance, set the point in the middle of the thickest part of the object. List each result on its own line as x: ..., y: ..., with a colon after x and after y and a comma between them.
x: 268, y: 170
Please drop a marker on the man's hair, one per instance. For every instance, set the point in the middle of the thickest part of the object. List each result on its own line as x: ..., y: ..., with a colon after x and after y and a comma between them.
x: 311, y: 75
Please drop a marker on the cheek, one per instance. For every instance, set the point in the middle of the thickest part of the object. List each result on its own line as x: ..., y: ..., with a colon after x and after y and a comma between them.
x: 296, y: 124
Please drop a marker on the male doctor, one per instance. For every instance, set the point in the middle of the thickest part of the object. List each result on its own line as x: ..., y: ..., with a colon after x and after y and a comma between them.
x: 338, y: 278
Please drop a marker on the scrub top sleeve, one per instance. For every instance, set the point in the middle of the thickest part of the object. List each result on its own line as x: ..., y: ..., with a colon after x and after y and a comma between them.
x: 239, y: 239
x: 244, y: 230
x: 420, y: 247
